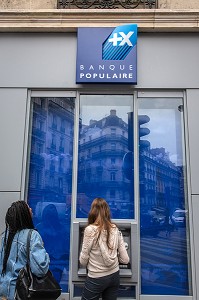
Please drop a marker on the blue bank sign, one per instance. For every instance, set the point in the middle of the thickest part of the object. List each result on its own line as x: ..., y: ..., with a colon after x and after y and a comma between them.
x: 107, y: 55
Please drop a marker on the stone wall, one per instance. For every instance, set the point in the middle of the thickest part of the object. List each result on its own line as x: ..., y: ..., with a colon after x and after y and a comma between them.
x: 28, y: 4
x: 52, y: 4
x: 178, y: 4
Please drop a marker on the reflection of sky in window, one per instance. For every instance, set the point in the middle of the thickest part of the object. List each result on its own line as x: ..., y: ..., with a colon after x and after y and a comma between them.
x: 164, y: 125
x: 98, y: 112
x: 94, y: 107
x: 162, y: 128
x: 165, y: 132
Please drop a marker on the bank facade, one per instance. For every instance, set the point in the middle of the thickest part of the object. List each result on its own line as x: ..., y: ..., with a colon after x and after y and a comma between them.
x: 126, y: 132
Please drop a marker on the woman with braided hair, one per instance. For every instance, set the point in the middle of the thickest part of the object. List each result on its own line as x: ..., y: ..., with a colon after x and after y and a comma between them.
x: 13, y: 254
x: 102, y: 250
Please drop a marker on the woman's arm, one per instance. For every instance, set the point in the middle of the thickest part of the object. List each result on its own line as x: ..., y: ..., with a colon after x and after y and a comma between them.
x: 39, y: 258
x: 89, y: 235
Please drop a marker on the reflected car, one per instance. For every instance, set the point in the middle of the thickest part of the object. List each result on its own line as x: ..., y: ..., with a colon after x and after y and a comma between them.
x: 179, y: 217
x: 160, y: 217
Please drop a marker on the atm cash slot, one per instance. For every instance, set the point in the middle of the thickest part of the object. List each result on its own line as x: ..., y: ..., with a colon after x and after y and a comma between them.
x: 82, y: 272
x: 125, y: 270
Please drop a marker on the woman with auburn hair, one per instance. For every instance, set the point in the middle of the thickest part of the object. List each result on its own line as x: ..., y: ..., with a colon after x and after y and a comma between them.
x: 102, y: 250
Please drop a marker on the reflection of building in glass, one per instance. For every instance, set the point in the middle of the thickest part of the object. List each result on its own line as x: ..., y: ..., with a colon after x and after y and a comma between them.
x: 160, y: 180
x: 51, y: 150
x: 50, y: 180
x: 103, y: 144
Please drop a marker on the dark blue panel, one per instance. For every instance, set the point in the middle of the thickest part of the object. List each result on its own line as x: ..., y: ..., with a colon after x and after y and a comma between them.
x: 50, y: 179
x: 163, y: 216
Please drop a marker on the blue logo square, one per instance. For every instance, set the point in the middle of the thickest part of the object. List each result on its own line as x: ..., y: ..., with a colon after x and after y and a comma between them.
x: 106, y: 55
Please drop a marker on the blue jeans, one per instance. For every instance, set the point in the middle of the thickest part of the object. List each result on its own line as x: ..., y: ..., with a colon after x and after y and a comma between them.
x: 106, y: 287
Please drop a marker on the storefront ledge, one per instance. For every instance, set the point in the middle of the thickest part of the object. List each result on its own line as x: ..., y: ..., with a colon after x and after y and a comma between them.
x: 68, y: 20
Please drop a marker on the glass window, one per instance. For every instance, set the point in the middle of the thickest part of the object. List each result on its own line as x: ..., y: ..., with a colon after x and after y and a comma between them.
x: 113, y: 131
x: 105, y: 171
x: 113, y: 176
x: 112, y: 161
x: 165, y: 249
x: 50, y: 181
x: 113, y: 146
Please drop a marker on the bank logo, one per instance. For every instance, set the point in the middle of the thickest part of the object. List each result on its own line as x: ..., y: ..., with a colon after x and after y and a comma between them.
x: 120, y: 42
x: 107, y: 55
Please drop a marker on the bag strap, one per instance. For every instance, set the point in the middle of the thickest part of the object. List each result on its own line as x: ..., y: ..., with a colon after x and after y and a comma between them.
x: 28, y: 246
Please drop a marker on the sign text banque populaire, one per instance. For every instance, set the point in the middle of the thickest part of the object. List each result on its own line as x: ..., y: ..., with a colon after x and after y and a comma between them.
x: 107, y: 55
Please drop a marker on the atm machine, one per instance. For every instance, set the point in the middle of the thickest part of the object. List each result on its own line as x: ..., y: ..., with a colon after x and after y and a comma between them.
x: 128, y: 273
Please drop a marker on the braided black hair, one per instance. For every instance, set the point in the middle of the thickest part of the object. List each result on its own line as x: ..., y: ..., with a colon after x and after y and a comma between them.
x: 18, y: 217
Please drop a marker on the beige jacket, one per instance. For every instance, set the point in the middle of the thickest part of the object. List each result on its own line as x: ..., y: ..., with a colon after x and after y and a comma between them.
x: 99, y: 259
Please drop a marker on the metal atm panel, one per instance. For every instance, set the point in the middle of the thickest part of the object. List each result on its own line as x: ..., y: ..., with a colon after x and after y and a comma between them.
x: 128, y: 273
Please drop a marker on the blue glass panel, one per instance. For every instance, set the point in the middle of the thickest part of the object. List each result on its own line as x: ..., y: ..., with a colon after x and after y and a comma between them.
x: 105, y: 160
x: 50, y: 178
x: 163, y: 200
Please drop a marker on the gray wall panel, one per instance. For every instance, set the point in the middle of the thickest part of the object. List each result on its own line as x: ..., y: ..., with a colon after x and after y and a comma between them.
x: 48, y: 60
x: 5, y: 201
x: 37, y: 60
x: 193, y: 125
x: 12, y: 123
x: 168, y: 60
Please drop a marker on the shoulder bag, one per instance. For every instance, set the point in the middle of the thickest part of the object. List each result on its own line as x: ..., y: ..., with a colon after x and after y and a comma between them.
x: 29, y: 286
